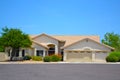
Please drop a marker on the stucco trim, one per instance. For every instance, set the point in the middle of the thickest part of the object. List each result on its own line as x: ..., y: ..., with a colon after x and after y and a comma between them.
x: 88, y: 39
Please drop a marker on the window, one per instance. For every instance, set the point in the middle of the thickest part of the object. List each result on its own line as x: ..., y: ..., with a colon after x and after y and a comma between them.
x: 17, y: 53
x: 51, y: 51
x: 39, y: 52
x: 23, y: 53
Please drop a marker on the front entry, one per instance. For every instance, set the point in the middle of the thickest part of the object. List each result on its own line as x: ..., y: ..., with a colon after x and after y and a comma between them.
x: 51, y: 50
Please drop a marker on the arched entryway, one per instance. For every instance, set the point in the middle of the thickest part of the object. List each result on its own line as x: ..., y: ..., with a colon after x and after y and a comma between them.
x: 51, y: 49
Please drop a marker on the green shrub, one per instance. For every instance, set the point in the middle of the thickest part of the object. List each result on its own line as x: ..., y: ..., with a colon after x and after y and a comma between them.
x: 117, y: 54
x: 55, y: 58
x: 47, y: 59
x: 37, y: 58
x: 112, y: 58
x: 52, y: 58
x: 27, y: 57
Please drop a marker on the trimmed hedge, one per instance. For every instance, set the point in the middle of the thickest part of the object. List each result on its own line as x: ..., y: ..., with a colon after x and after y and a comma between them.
x: 113, y: 57
x: 52, y: 58
x: 117, y: 54
x: 47, y: 59
x: 55, y: 58
x: 36, y: 58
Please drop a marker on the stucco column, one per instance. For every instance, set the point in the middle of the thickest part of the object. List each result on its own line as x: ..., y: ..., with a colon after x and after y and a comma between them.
x: 64, y: 56
x: 43, y: 53
x: 20, y: 53
x: 34, y: 51
x: 93, y: 56
x: 56, y: 49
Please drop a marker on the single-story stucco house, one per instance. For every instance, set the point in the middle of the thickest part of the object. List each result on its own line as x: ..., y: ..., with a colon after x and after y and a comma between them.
x: 72, y: 48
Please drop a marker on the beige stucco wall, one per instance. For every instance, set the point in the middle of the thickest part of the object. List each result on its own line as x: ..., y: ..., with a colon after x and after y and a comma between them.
x: 29, y: 51
x: 3, y: 56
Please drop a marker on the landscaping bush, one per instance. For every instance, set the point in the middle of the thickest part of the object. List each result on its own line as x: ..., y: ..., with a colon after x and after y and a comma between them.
x: 52, y: 58
x: 112, y: 58
x: 47, y: 59
x: 55, y: 58
x: 117, y: 54
x: 27, y: 57
x: 37, y: 58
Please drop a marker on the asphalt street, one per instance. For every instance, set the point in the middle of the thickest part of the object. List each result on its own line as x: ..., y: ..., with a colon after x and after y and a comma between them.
x: 59, y: 71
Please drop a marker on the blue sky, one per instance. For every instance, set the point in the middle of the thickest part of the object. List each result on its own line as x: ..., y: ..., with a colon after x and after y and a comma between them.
x: 61, y: 17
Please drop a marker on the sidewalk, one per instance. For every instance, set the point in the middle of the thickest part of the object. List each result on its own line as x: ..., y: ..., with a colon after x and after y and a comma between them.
x: 40, y: 62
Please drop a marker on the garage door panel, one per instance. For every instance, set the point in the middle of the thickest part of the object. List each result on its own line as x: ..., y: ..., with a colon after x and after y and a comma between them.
x: 79, y: 56
x: 100, y: 56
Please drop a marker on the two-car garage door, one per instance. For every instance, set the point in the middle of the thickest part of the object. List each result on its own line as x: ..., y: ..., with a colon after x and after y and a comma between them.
x: 78, y: 56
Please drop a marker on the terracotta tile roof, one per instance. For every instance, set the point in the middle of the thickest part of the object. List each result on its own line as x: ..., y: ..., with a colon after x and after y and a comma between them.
x: 73, y: 39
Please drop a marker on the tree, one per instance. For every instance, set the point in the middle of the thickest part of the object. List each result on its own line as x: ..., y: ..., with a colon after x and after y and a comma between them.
x: 112, y: 40
x: 14, y: 39
x: 1, y: 48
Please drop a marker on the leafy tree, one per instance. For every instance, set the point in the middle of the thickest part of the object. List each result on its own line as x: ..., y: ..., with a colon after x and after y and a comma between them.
x: 1, y: 48
x: 14, y: 39
x: 112, y: 40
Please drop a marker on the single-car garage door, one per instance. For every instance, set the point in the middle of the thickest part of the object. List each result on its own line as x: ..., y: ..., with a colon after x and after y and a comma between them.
x: 100, y: 56
x: 79, y: 57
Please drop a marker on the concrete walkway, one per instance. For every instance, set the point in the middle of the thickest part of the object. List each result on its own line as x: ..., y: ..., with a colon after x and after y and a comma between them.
x: 40, y: 62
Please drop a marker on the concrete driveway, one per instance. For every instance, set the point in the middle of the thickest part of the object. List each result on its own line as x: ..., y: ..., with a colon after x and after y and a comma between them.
x: 59, y: 71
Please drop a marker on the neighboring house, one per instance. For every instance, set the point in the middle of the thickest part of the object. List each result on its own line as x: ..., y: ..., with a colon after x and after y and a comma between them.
x: 73, y: 48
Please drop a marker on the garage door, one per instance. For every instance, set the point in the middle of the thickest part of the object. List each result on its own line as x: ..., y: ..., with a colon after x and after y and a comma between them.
x: 79, y: 57
x: 100, y: 56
